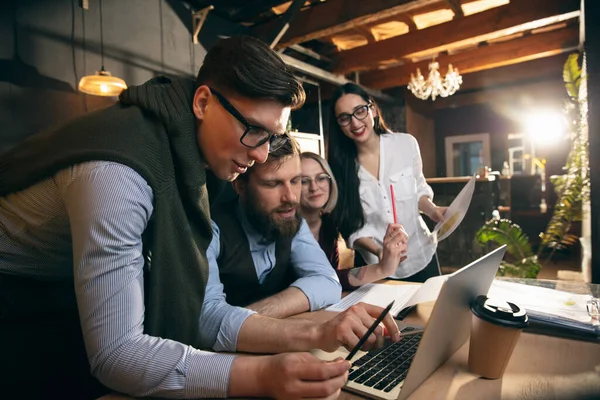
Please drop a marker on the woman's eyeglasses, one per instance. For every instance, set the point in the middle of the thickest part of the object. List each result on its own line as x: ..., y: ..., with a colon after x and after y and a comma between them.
x: 360, y: 113
x: 322, y: 181
x: 253, y: 136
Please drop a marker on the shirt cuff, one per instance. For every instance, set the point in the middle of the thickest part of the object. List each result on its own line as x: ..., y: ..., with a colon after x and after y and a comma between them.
x: 207, y: 374
x: 230, y: 328
x: 320, y: 292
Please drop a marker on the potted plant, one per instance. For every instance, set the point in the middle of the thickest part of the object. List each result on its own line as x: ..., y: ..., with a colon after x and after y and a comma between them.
x: 572, y: 188
x: 520, y: 261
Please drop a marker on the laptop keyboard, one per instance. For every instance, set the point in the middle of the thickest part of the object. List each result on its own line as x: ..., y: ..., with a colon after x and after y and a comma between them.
x: 385, y: 368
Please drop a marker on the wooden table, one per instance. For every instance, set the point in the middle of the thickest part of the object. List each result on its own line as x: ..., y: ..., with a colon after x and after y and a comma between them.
x: 541, y: 367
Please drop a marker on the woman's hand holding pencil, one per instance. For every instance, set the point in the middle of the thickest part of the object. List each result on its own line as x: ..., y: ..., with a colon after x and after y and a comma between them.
x: 393, y: 251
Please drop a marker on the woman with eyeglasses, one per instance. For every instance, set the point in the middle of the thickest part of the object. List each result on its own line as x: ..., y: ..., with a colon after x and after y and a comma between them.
x: 366, y: 158
x: 318, y: 199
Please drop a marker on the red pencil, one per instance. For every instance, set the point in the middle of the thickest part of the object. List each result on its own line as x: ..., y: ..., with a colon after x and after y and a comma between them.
x: 393, y: 203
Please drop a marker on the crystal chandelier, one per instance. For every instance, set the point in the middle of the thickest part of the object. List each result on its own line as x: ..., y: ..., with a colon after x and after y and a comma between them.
x: 435, y: 85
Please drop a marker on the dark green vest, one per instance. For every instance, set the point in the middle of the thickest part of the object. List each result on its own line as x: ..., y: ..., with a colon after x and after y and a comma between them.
x: 153, y: 131
x: 236, y: 267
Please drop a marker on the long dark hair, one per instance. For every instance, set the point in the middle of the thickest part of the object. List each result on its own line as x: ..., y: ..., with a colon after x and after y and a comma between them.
x: 342, y: 154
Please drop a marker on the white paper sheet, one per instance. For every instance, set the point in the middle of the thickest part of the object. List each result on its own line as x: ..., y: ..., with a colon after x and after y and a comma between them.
x: 429, y: 291
x: 403, y: 295
x: 543, y: 300
x: 455, y: 212
x: 378, y: 294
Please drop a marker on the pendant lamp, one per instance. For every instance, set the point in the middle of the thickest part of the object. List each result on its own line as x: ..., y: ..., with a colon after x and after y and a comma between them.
x: 102, y: 83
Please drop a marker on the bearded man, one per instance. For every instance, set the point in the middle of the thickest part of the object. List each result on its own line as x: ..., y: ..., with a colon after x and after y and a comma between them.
x: 267, y: 258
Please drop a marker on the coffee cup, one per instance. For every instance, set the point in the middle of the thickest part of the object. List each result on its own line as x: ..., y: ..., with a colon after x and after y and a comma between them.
x: 495, y: 329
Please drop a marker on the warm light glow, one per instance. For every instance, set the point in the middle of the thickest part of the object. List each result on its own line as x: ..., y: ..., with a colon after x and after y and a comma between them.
x: 347, y: 41
x: 435, y: 85
x: 432, y: 18
x: 545, y: 127
x: 389, y: 29
x: 102, y: 84
x: 478, y: 6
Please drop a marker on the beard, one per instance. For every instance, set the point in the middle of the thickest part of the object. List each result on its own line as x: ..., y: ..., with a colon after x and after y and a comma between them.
x: 268, y: 224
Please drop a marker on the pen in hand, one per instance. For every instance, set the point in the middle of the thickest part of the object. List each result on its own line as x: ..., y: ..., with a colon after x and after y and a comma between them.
x: 393, y: 198
x: 369, y: 331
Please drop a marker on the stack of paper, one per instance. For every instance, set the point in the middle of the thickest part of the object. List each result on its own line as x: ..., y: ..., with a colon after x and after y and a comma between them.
x: 550, y: 311
x: 382, y: 294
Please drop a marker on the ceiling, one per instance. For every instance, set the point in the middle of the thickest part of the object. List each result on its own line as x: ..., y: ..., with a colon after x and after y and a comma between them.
x: 381, y: 42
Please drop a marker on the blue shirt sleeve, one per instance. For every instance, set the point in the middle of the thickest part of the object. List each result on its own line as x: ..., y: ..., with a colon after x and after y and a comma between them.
x: 318, y: 280
x: 109, y: 206
x: 220, y: 322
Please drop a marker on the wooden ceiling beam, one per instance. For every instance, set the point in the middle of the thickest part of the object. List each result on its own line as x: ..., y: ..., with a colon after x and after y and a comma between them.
x: 540, y: 93
x: 336, y: 16
x: 366, y: 32
x: 538, y: 69
x: 410, y: 22
x: 490, y: 56
x: 517, y: 12
x: 456, y: 8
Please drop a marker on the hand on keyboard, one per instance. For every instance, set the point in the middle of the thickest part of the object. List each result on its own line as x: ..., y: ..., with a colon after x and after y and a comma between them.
x: 348, y: 327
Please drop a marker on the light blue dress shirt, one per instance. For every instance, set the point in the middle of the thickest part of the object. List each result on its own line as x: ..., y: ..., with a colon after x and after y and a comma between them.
x: 317, y: 279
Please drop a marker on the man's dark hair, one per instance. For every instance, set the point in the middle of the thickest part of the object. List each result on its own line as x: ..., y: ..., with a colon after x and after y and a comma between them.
x: 250, y: 68
x: 289, y: 149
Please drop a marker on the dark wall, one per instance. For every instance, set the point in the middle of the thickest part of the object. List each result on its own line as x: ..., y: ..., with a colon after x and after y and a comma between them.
x: 473, y: 119
x: 592, y: 47
x: 499, y: 120
x: 47, y: 45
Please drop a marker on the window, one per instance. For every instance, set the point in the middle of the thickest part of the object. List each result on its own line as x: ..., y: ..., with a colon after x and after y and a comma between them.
x: 465, y: 154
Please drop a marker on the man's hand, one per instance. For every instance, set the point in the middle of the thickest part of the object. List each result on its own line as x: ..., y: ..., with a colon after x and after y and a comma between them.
x: 393, y: 251
x: 287, y: 376
x: 348, y: 327
x: 302, y: 375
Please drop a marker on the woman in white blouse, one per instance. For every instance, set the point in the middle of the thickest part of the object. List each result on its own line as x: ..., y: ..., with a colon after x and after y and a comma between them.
x: 366, y: 158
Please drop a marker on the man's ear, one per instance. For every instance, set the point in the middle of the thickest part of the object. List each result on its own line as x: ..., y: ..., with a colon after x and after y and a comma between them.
x: 201, y: 98
x: 239, y: 185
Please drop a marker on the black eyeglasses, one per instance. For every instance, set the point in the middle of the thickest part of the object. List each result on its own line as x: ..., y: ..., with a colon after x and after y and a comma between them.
x: 360, y: 113
x: 253, y: 136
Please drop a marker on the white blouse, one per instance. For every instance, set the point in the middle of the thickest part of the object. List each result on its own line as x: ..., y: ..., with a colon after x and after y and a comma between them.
x: 400, y: 164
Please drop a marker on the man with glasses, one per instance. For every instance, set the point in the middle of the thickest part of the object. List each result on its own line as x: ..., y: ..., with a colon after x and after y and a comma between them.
x: 104, y: 229
x: 262, y: 249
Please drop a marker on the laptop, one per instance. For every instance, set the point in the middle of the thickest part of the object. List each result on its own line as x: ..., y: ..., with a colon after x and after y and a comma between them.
x: 398, y: 369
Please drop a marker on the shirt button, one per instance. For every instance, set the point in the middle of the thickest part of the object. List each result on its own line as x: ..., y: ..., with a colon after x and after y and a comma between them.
x: 385, y: 198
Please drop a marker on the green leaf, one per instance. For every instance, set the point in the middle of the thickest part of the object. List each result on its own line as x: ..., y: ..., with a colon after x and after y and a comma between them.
x: 505, y: 232
x: 572, y: 75
x: 573, y: 187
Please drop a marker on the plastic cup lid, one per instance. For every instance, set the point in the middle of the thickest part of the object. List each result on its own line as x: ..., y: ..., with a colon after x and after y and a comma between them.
x: 499, y: 312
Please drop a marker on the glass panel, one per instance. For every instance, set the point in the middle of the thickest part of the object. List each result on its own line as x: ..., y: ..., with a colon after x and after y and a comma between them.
x: 467, y: 157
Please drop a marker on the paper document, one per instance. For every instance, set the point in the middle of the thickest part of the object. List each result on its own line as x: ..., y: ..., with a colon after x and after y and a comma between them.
x: 382, y: 294
x: 455, y: 212
x: 539, y: 300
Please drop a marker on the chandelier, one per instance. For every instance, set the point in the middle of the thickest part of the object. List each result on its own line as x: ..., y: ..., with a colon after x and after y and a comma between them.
x: 435, y: 85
